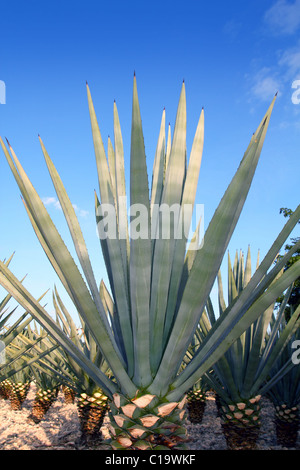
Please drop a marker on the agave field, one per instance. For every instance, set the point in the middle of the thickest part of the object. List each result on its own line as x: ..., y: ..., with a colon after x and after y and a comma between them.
x: 60, y: 428
x: 150, y: 358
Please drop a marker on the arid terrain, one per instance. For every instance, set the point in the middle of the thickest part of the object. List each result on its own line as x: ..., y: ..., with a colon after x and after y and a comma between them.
x: 60, y: 429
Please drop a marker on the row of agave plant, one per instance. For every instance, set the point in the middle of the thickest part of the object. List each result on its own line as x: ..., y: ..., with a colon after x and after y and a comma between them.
x: 151, y: 336
x: 257, y: 364
x: 253, y: 367
x: 34, y: 357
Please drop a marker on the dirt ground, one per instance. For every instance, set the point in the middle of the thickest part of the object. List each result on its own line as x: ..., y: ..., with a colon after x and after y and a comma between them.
x: 60, y: 430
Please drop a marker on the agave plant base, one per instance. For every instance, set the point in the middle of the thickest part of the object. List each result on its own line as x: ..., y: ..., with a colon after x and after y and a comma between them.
x: 43, y: 401
x: 286, y: 425
x: 146, y: 423
x: 5, y: 388
x: 18, y: 394
x: 286, y: 433
x: 196, y: 403
x: 240, y: 437
x: 240, y: 423
x: 91, y: 412
x: 69, y: 395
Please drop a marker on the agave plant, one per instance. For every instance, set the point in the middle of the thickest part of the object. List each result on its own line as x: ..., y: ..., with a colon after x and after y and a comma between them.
x: 69, y: 394
x: 285, y: 395
x: 49, y: 368
x: 16, y: 373
x: 46, y: 394
x: 91, y: 401
x: 196, y: 401
x: 244, y: 374
x: 294, y: 299
x: 47, y: 384
x: 8, y: 335
x: 158, y: 285
x: 20, y: 385
x: 196, y: 396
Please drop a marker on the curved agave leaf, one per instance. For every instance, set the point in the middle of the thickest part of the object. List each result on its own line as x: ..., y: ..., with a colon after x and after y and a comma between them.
x: 164, y: 249
x: 187, y: 204
x: 140, y: 250
x: 113, y: 248
x: 121, y: 202
x: 158, y: 173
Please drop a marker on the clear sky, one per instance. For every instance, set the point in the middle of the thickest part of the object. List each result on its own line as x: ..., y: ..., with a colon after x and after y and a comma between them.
x: 234, y: 56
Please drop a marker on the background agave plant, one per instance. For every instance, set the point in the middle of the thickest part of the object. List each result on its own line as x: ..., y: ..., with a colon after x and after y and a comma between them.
x: 4, y: 314
x: 20, y: 384
x: 243, y: 374
x: 285, y: 394
x: 91, y: 401
x: 16, y: 373
x: 197, y: 395
x: 47, y: 384
x: 46, y: 394
x: 196, y: 401
x: 7, y: 336
x: 158, y: 286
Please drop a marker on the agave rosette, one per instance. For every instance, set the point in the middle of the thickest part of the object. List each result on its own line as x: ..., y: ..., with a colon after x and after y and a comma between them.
x: 145, y: 320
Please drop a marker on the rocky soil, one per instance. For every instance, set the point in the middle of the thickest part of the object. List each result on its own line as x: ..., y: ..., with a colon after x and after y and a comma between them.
x: 60, y: 429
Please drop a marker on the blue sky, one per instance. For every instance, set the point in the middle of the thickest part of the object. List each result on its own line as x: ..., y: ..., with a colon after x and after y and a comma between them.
x: 234, y: 56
